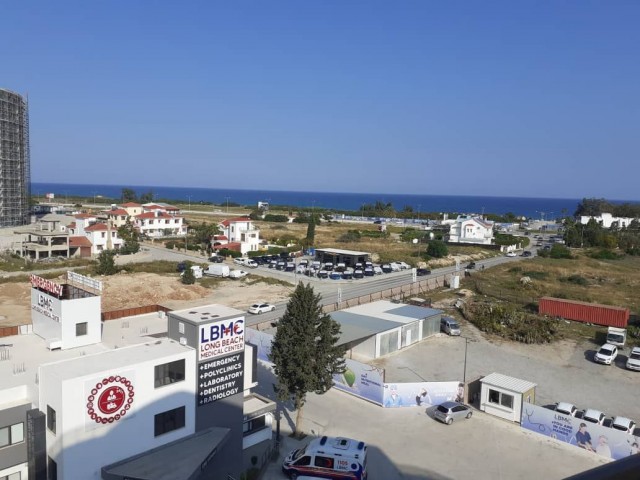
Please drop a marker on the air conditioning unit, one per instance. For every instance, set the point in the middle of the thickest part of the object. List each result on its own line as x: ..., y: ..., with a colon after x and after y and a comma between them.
x: 54, y: 344
x: 183, y: 341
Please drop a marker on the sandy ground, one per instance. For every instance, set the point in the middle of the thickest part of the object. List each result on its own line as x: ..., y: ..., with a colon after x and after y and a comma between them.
x: 135, y: 290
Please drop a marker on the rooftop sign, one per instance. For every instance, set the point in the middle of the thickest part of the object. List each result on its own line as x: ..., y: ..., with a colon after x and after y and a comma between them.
x: 47, y: 285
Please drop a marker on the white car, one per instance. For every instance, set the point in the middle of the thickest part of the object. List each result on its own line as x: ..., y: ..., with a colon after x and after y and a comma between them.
x: 593, y: 416
x: 566, y: 408
x: 237, y: 274
x: 624, y: 424
x: 403, y: 265
x: 511, y: 254
x: 607, y: 354
x: 633, y: 361
x: 258, y: 308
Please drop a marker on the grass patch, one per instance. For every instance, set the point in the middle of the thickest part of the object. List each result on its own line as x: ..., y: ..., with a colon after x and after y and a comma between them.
x: 253, y: 280
x: 576, y: 280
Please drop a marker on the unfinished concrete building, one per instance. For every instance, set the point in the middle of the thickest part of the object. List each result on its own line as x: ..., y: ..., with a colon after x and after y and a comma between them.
x: 15, y: 170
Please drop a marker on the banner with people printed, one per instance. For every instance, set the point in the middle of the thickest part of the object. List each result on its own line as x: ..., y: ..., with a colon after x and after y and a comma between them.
x: 422, y: 394
x: 599, y: 439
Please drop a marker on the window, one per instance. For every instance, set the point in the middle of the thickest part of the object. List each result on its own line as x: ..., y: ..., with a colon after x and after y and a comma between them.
x: 167, y: 373
x: 306, y: 460
x: 169, y: 421
x: 501, y: 398
x: 324, y: 462
x: 253, y: 425
x: 13, y: 476
x: 81, y: 329
x: 52, y: 469
x: 51, y: 419
x: 180, y: 327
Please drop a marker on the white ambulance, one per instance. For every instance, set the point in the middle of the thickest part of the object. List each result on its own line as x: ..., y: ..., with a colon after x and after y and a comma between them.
x: 328, y: 457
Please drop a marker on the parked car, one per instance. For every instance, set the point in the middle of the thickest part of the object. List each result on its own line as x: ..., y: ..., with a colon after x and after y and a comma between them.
x: 323, y: 274
x: 258, y: 308
x: 624, y: 424
x: 236, y: 274
x: 340, y: 267
x: 593, y: 416
x: 347, y: 274
x: 447, y: 412
x: 289, y: 267
x: 328, y: 266
x: 526, y: 253
x: 335, y: 275
x: 394, y: 267
x: 449, y: 326
x: 281, y: 264
x: 377, y: 271
x: 368, y: 272
x: 216, y: 259
x: 607, y: 354
x: 566, y: 408
x: 357, y: 274
x: 421, y: 272
x: 403, y: 265
x: 471, y: 265
x: 386, y: 268
x: 633, y: 360
x: 511, y: 254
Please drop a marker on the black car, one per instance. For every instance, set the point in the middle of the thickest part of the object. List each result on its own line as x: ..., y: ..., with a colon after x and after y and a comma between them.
x: 216, y: 259
x: 471, y: 265
x: 421, y: 272
x: 181, y: 266
x: 526, y: 253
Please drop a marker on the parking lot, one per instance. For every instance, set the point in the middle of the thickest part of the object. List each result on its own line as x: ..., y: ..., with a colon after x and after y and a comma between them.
x: 407, y: 443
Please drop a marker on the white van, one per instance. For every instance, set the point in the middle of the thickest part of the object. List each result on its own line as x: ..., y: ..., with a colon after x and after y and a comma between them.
x: 197, y: 271
x: 217, y: 270
x: 328, y: 457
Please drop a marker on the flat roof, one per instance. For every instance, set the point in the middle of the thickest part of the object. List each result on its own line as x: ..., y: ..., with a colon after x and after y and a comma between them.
x: 341, y: 252
x: 364, y: 321
x: 206, y: 313
x: 508, y: 383
x: 173, y: 461
x: 120, y: 357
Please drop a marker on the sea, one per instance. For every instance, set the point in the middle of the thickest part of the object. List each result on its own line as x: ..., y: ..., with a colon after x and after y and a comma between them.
x: 532, y: 208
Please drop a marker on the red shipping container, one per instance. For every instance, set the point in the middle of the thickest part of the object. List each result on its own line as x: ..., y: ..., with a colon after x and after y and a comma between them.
x: 584, y: 312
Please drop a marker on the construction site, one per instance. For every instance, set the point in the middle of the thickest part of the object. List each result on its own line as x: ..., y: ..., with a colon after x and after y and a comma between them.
x: 15, y: 170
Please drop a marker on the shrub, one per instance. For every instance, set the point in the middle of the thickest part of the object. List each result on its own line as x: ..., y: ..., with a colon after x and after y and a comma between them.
x: 276, y: 218
x: 575, y: 279
x: 559, y: 251
x: 188, y: 278
x: 604, y: 254
x: 229, y: 253
x: 350, y: 236
x: 437, y: 249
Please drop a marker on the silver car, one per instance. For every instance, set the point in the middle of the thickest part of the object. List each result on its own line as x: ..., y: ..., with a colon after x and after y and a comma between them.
x: 447, y: 412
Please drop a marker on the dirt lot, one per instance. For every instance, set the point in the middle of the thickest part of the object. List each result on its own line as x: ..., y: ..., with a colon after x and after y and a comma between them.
x: 133, y: 290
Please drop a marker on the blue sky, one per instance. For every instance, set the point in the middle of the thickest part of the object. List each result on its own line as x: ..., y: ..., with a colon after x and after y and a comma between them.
x: 505, y: 98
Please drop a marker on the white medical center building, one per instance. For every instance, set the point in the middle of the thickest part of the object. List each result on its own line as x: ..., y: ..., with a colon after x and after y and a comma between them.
x: 155, y: 396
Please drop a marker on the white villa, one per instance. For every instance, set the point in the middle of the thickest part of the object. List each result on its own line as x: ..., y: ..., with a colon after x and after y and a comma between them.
x: 238, y: 234
x: 607, y: 220
x: 469, y: 229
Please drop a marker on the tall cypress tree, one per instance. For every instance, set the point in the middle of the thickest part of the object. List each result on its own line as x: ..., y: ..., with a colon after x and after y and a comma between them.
x: 304, y: 350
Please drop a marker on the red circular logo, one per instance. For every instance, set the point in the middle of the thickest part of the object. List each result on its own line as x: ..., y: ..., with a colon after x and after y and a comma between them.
x: 110, y: 399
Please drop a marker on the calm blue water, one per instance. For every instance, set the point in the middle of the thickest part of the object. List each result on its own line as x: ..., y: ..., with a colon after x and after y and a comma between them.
x: 547, y: 208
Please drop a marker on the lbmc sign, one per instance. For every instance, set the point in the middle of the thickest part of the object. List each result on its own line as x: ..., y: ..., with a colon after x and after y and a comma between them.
x: 221, y: 338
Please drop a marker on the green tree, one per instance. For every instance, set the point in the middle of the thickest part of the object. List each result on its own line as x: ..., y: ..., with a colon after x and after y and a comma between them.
x: 311, y: 231
x: 592, y: 207
x: 130, y: 236
x: 304, y: 350
x: 202, y: 233
x: 106, y: 263
x: 147, y: 197
x: 188, y: 277
x: 129, y: 195
x: 437, y: 249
